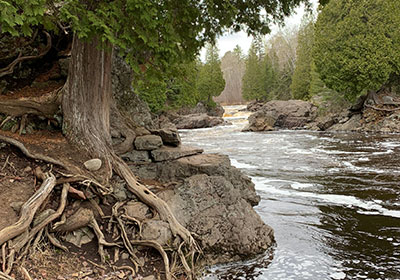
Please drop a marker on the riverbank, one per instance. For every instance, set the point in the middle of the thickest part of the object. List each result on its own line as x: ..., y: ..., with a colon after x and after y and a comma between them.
x: 331, y: 197
x: 296, y: 114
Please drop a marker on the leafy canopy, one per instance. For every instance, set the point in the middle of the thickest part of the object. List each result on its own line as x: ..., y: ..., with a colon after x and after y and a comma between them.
x: 357, y: 44
x: 155, y: 32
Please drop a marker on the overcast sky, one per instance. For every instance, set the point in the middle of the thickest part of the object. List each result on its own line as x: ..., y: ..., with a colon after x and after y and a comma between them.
x: 229, y: 41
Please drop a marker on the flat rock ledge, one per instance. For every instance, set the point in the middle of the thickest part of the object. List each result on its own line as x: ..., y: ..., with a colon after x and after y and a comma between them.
x: 170, y: 153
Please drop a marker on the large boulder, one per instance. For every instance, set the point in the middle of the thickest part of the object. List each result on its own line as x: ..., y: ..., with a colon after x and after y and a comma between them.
x: 169, y: 136
x: 291, y: 114
x: 254, y: 106
x: 124, y: 95
x: 197, y: 121
x: 226, y: 225
x: 209, y: 164
x: 148, y: 142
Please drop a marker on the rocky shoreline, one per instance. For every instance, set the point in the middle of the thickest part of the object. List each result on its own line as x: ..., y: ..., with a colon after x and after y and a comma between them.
x: 298, y: 114
x: 209, y: 196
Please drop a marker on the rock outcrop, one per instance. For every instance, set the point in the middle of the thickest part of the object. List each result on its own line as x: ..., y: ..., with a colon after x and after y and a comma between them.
x: 197, y: 121
x: 209, y: 164
x: 291, y: 114
x: 124, y: 95
x: 200, y: 116
x: 201, y: 108
x: 227, y: 226
x: 207, y: 195
x: 212, y: 199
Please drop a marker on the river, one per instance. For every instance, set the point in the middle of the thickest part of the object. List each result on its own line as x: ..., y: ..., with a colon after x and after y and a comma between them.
x: 333, y: 200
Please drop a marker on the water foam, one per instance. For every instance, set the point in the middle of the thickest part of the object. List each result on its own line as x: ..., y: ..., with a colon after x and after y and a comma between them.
x: 241, y: 165
x: 366, y: 207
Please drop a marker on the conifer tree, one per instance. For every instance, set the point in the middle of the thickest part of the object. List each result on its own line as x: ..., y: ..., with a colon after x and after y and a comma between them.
x: 301, y: 79
x: 253, y: 87
x: 210, y: 82
x: 357, y: 45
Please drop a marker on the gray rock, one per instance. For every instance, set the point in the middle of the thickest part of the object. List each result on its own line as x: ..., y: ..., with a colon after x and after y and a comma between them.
x: 140, y: 131
x: 388, y: 100
x: 137, y: 156
x: 254, y: 106
x: 353, y: 124
x: 262, y: 121
x: 93, y: 164
x: 157, y: 230
x: 168, y: 136
x: 172, y: 153
x: 80, y: 236
x: 210, y: 164
x: 124, y: 94
x: 138, y: 210
x: 119, y: 191
x: 227, y: 226
x: 201, y: 108
x: 289, y: 114
x: 197, y: 121
x: 148, y: 142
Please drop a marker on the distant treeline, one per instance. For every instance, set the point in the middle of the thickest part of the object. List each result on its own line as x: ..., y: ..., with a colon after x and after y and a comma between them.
x: 348, y: 49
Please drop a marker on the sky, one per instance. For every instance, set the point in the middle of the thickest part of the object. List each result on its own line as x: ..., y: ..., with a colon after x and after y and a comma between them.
x: 228, y: 42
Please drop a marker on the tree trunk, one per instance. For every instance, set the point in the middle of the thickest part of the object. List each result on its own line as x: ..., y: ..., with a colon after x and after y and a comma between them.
x: 87, y: 97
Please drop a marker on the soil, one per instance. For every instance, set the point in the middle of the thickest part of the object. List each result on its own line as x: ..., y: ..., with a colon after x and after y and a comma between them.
x: 18, y: 184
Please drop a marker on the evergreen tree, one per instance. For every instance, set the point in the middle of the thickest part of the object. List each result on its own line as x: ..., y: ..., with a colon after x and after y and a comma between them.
x: 211, y: 82
x: 238, y: 52
x: 270, y: 76
x: 253, y: 86
x: 357, y: 44
x: 172, y: 89
x: 182, y: 89
x: 301, y: 79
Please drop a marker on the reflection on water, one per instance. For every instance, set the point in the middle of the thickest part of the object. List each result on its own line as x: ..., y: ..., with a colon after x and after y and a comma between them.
x: 333, y: 200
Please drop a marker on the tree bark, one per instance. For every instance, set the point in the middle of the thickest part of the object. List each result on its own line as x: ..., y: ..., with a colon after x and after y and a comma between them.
x: 87, y: 97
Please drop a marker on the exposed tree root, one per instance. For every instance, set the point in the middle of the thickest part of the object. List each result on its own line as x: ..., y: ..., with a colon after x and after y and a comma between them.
x: 159, y: 248
x: 28, y: 211
x: 381, y: 109
x: 27, y: 153
x: 4, y: 276
x: 21, y: 238
x: 46, y: 107
x: 153, y: 201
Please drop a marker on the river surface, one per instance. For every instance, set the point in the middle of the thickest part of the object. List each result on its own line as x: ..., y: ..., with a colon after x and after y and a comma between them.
x: 333, y: 200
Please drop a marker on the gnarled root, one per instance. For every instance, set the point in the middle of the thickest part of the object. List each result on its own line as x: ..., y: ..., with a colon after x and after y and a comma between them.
x: 20, y: 236
x: 28, y: 211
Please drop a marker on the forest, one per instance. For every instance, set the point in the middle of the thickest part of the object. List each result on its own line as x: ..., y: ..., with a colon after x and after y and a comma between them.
x: 81, y: 152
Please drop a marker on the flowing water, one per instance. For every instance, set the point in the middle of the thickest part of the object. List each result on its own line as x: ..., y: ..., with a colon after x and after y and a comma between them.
x: 333, y: 200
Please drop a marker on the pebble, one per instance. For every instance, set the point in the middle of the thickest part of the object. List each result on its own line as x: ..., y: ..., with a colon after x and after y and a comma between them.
x: 93, y: 164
